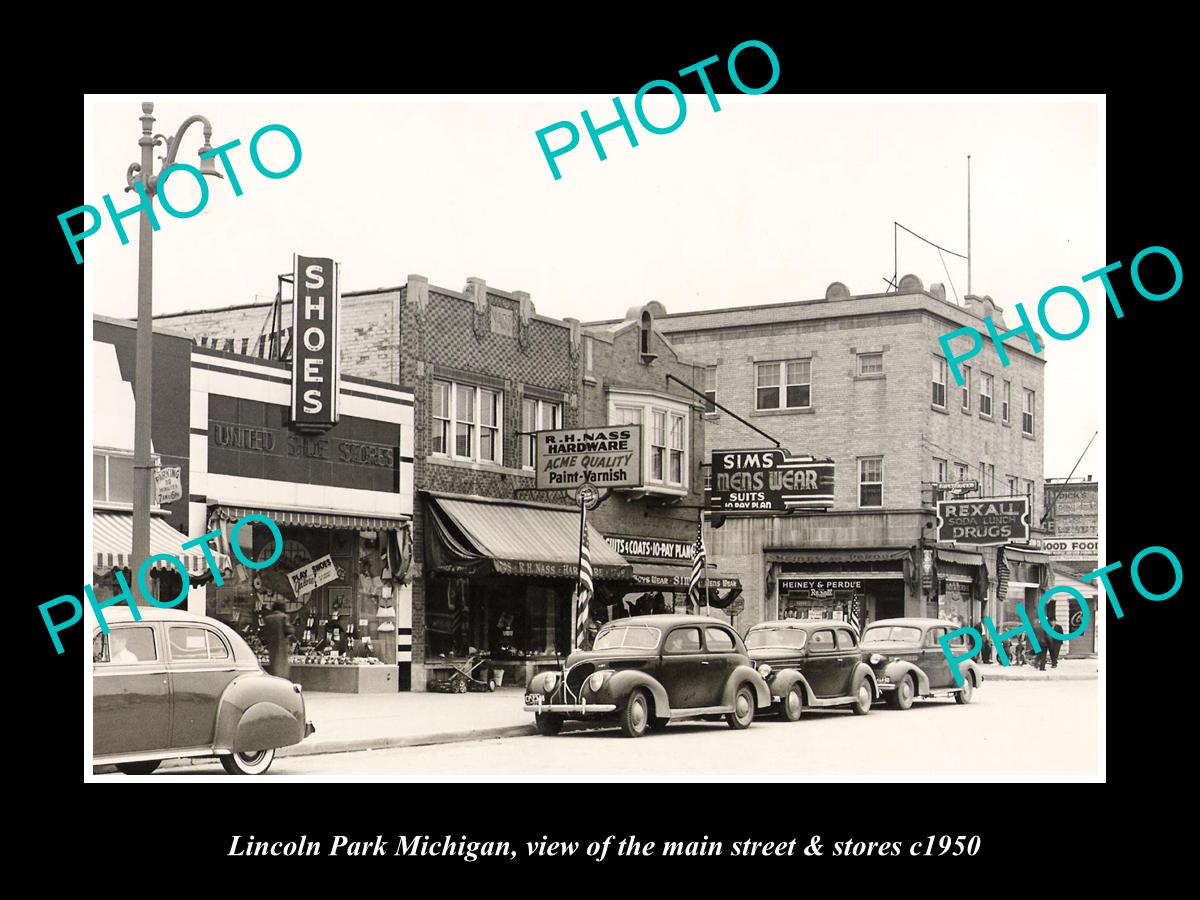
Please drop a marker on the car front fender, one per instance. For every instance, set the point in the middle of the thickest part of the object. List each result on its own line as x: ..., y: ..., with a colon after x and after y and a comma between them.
x: 245, y: 694
x: 865, y: 671
x: 899, y: 668
x: 617, y: 689
x: 741, y: 675
x: 975, y: 672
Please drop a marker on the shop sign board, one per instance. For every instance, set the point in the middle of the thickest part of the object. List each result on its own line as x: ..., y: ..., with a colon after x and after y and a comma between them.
x: 769, y: 481
x: 986, y: 521
x: 168, y: 483
x: 958, y: 488
x: 607, y: 456
x: 825, y: 586
x: 315, y: 374
x: 1073, y: 549
x: 652, y: 547
x: 313, y: 575
x: 735, y: 607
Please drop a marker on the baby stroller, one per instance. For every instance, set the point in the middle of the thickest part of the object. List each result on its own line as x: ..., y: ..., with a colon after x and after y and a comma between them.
x: 467, y: 676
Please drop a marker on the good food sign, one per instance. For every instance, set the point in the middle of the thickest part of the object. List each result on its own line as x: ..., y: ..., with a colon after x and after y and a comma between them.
x: 314, y: 342
x: 606, y: 457
x: 769, y: 481
x: 989, y: 520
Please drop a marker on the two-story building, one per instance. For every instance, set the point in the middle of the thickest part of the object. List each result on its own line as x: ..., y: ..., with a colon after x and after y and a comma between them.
x: 861, y: 379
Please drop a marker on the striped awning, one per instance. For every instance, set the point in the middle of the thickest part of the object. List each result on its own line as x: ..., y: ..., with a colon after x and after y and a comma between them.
x: 112, y: 544
x: 314, y: 519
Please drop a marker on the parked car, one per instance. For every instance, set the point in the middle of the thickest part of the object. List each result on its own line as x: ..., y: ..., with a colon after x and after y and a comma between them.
x: 812, y: 662
x: 175, y: 684
x: 645, y: 671
x: 909, y: 662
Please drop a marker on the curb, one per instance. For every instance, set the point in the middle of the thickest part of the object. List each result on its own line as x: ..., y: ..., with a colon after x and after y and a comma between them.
x: 1040, y: 676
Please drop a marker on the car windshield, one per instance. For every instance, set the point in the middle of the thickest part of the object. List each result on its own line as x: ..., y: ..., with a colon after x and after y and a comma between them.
x: 899, y: 634
x: 786, y: 638
x: 637, y: 637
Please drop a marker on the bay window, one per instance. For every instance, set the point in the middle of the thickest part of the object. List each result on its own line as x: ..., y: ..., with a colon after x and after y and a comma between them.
x: 658, y: 444
x: 666, y: 432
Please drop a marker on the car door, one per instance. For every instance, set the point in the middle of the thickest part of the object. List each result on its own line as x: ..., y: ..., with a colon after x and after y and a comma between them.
x: 680, y: 670
x: 933, y: 660
x: 821, y: 669
x: 201, y: 666
x: 131, y: 693
x: 722, y: 658
x: 848, y: 658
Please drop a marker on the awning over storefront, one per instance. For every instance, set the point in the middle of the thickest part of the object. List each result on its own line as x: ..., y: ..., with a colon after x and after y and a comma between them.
x: 112, y: 544
x: 960, y: 557
x: 885, y: 554
x: 649, y: 575
x: 477, y: 536
x: 314, y: 518
x: 1033, y: 557
x: 1087, y: 589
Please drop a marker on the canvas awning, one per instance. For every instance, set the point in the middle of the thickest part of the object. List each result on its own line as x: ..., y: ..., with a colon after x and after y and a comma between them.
x: 1019, y: 554
x: 1088, y: 589
x: 960, y: 557
x: 315, y: 518
x: 478, y: 536
x: 112, y: 544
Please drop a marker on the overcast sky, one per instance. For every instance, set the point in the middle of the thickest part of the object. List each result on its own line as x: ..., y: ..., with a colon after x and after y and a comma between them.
x: 768, y: 200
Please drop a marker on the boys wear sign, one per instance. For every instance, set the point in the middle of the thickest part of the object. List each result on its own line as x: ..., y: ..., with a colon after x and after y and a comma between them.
x: 314, y: 343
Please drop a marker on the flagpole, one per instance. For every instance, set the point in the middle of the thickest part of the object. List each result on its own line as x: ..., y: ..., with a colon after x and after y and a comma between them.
x: 578, y: 568
x: 704, y: 540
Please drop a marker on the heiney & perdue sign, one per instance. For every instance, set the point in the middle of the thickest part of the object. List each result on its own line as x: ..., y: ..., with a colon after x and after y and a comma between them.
x: 990, y: 520
x: 314, y: 342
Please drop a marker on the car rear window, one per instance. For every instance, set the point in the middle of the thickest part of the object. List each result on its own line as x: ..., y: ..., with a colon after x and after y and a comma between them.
x: 821, y: 640
x: 845, y: 640
x: 719, y: 640
x: 194, y: 642
x: 125, y: 645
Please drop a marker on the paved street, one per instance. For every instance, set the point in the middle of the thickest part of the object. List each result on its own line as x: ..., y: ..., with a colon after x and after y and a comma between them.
x: 1011, y: 728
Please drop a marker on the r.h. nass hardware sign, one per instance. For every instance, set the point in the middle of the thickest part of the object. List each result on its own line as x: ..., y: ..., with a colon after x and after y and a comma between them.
x: 315, y: 343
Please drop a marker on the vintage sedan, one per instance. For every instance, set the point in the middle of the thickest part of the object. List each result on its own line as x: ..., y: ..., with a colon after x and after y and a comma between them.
x: 812, y: 662
x: 645, y: 671
x: 909, y: 662
x: 175, y: 684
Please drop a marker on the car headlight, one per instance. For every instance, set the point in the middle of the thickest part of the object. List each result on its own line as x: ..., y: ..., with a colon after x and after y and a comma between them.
x: 550, y: 683
x: 877, y: 658
x: 765, y: 671
x: 596, y: 680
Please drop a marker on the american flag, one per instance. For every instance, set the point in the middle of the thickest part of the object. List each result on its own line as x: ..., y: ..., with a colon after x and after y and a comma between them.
x: 584, y: 591
x: 699, y: 557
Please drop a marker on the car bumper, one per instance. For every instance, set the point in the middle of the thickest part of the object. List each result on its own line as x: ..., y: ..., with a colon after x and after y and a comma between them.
x: 574, y: 709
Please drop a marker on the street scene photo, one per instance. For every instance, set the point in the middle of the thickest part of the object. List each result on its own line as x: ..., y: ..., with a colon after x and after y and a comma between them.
x: 743, y: 454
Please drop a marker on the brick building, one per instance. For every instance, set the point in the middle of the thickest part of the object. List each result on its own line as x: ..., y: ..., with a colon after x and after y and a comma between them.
x: 1072, y: 512
x: 862, y: 380
x: 494, y: 561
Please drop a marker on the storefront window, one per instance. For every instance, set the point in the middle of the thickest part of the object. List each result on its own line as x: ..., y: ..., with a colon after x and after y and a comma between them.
x: 506, y: 620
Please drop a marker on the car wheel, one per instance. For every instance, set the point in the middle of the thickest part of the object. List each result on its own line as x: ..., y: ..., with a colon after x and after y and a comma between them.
x: 256, y: 762
x: 792, y: 705
x: 864, y: 698
x: 145, y: 767
x: 635, y: 719
x: 902, y: 696
x: 548, y: 724
x: 743, y: 708
x: 963, y: 695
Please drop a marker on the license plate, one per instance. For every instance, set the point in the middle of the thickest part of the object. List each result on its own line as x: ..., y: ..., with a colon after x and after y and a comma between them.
x: 534, y: 699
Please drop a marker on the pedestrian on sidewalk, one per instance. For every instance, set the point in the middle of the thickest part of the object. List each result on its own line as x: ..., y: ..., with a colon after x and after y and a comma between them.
x: 1044, y: 642
x: 1055, y: 649
x: 277, y: 632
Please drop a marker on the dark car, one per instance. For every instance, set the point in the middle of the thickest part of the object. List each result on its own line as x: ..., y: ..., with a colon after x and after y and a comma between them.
x: 812, y: 662
x: 175, y: 684
x: 909, y: 662
x: 645, y: 671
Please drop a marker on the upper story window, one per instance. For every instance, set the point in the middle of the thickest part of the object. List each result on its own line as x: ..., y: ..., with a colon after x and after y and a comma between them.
x: 788, y: 382
x: 1027, y: 407
x: 1029, y: 485
x: 966, y: 388
x: 536, y: 415
x: 870, y: 364
x: 112, y: 476
x: 467, y: 422
x: 870, y: 481
x: 939, y: 382
x: 960, y: 471
x: 587, y: 353
x: 1006, y: 402
x: 985, y: 394
x: 710, y: 389
x: 1011, y: 483
x: 665, y: 437
x: 940, y: 469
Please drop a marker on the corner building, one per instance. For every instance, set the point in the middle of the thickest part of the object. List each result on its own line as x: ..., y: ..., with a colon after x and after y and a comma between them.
x: 862, y: 379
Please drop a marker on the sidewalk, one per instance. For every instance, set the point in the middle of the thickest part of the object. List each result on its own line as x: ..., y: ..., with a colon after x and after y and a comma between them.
x: 1068, y: 670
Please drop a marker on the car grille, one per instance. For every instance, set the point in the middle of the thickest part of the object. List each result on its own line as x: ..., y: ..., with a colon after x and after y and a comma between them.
x: 578, y: 675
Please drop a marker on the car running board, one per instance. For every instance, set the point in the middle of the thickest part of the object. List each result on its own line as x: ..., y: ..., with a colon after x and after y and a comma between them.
x: 699, y: 711
x: 833, y: 701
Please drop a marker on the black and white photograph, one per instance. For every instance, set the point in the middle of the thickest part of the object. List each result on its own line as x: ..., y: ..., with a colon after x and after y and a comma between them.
x: 728, y: 434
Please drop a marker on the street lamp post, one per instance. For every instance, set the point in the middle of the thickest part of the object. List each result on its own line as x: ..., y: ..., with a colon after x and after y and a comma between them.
x: 143, y: 172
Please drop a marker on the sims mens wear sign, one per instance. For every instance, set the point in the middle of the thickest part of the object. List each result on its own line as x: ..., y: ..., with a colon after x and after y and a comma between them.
x: 769, y: 481
x: 607, y: 457
x: 995, y: 520
x: 314, y: 342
